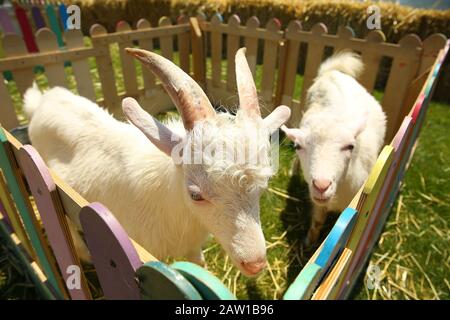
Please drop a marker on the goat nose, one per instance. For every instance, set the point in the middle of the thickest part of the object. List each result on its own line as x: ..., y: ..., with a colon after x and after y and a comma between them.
x: 254, y: 267
x: 321, y: 185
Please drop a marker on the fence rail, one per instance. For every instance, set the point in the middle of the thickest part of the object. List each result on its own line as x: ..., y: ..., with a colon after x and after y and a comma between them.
x: 280, y: 51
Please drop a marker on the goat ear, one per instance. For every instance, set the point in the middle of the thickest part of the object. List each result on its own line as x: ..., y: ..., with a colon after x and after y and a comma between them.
x: 360, y: 124
x: 293, y: 134
x: 161, y: 136
x: 277, y: 117
x: 288, y: 132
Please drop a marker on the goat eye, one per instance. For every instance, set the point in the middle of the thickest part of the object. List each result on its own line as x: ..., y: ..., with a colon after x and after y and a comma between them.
x: 349, y: 147
x: 196, y: 196
x: 297, y: 146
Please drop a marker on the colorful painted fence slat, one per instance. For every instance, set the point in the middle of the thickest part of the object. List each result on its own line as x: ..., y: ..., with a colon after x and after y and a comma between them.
x: 209, y: 287
x: 160, y: 282
x: 55, y: 202
x: 54, y: 24
x: 307, y: 281
x: 9, y: 208
x: 6, y: 22
x: 63, y: 17
x: 25, y: 27
x: 19, y: 194
x: 112, y: 252
x: 38, y: 19
x: 52, y: 214
x: 363, y: 203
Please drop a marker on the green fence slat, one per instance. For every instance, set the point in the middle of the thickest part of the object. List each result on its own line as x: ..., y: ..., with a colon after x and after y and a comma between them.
x: 24, y: 212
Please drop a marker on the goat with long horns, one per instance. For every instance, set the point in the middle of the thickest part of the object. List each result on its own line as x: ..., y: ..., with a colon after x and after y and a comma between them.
x: 169, y: 185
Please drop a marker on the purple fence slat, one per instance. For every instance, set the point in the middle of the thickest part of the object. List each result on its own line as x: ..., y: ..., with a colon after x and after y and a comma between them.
x: 113, y: 254
x: 46, y: 197
x: 39, y: 21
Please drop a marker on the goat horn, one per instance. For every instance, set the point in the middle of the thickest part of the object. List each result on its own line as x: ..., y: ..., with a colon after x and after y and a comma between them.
x: 189, y: 98
x: 248, y: 98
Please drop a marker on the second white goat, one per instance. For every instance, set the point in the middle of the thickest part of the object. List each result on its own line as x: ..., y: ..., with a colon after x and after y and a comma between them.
x: 339, y: 137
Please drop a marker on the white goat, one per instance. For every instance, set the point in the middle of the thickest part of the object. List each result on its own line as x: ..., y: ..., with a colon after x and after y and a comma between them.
x: 144, y: 173
x: 339, y: 138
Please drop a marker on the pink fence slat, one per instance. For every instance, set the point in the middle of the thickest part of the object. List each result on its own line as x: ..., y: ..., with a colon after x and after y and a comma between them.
x: 113, y: 254
x: 6, y: 22
x: 50, y: 209
x: 27, y: 32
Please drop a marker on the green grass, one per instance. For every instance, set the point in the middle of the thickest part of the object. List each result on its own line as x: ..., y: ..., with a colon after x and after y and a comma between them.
x: 413, y: 250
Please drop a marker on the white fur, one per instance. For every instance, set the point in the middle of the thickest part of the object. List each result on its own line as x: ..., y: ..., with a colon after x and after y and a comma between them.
x: 114, y: 163
x: 339, y: 112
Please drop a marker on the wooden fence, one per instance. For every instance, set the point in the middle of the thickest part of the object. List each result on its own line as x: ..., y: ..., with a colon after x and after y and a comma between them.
x: 411, y: 61
x: 31, y: 196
